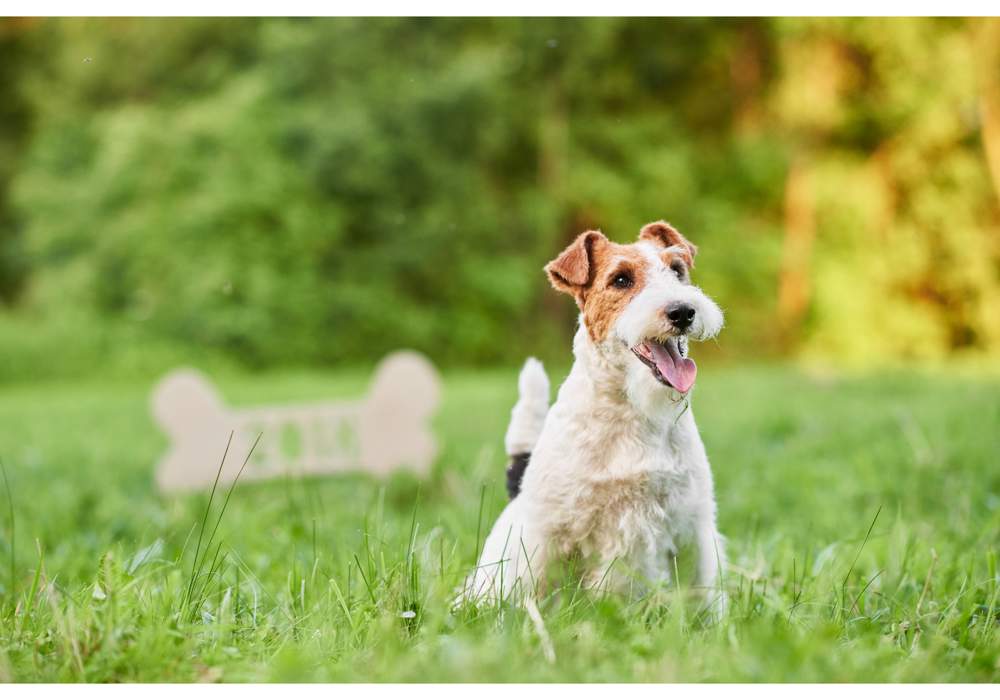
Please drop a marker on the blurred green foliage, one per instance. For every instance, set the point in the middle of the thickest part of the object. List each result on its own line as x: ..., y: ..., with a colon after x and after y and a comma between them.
x: 291, y: 192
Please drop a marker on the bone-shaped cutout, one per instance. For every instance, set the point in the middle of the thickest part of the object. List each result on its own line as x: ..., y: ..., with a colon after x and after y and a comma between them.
x: 386, y: 430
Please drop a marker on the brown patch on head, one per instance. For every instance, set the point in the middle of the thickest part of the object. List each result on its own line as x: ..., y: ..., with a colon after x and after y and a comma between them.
x: 662, y: 233
x: 677, y: 262
x: 602, y: 276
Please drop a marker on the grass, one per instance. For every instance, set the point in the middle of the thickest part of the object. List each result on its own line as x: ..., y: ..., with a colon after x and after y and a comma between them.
x: 863, y: 517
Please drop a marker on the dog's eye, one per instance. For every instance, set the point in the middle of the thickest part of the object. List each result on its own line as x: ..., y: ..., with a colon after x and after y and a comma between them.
x: 678, y: 268
x: 622, y: 280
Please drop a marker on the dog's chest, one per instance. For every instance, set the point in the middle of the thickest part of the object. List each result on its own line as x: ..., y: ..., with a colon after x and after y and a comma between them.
x: 637, y: 498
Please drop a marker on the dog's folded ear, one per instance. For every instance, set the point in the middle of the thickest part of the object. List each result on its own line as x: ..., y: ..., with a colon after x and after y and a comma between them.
x: 573, y: 271
x: 662, y: 233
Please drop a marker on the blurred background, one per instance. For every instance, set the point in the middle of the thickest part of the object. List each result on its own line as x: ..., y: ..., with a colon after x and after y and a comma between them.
x: 310, y: 193
x: 280, y: 203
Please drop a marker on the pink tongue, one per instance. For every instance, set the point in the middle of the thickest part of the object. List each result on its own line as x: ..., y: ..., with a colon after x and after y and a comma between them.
x: 679, y: 371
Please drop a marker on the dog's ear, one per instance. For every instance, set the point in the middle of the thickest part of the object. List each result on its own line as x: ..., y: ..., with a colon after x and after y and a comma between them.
x: 662, y: 233
x: 573, y: 271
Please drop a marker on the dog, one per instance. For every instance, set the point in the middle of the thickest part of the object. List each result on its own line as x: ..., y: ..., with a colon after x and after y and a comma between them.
x: 614, y: 475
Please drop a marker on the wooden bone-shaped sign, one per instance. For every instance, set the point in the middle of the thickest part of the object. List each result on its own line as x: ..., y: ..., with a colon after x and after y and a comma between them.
x: 386, y: 430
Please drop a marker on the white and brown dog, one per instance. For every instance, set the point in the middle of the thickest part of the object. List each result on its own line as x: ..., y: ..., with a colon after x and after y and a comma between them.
x: 614, y: 474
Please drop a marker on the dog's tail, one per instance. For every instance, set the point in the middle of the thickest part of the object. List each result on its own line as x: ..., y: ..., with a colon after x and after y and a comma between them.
x: 526, y: 421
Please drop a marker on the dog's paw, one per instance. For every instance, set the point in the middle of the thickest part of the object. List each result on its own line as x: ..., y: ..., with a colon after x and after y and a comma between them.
x: 716, y: 604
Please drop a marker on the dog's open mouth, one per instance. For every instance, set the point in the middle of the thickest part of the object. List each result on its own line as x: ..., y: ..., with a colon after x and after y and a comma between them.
x: 667, y: 362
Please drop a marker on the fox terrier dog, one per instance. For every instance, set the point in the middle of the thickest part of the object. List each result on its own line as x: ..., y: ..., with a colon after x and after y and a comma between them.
x: 613, y: 475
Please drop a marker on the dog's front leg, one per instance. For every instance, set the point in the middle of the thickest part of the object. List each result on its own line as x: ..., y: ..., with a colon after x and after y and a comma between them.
x: 711, y: 562
x: 513, y: 560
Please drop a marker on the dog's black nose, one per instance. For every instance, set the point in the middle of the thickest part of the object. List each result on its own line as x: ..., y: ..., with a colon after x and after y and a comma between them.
x: 681, y: 315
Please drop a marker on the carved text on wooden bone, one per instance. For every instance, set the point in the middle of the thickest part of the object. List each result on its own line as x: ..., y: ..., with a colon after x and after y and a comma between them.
x: 386, y: 430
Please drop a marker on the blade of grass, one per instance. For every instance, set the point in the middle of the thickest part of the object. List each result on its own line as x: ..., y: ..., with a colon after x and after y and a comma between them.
x: 207, y: 579
x: 343, y: 605
x: 204, y: 522
x: 222, y: 512
x: 843, y: 586
x: 371, y: 593
x: 479, y: 521
x: 33, y: 590
x: 13, y: 531
x: 854, y: 605
x: 232, y: 487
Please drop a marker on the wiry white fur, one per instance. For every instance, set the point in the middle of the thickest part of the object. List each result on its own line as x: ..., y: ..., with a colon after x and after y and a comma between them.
x: 643, y: 317
x: 619, y: 474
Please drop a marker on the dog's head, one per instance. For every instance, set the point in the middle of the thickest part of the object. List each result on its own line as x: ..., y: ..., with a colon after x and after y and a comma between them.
x: 637, y: 302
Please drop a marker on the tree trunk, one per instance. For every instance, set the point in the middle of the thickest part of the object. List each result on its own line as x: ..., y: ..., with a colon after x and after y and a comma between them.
x: 986, y: 33
x: 794, y: 278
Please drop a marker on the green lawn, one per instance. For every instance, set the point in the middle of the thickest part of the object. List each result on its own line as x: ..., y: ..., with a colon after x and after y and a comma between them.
x: 312, y: 576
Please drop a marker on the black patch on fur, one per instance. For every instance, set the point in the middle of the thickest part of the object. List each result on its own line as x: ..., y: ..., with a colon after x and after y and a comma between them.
x: 515, y: 472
